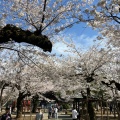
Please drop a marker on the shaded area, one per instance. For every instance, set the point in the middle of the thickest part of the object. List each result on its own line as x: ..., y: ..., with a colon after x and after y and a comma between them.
x: 54, y: 96
x: 65, y: 117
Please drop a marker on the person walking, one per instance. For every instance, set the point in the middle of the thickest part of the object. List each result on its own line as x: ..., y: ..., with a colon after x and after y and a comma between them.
x: 6, y: 115
x: 74, y: 114
x: 39, y: 115
x: 56, y: 112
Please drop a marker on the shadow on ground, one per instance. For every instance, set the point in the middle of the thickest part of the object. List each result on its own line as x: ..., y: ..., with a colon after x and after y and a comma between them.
x: 65, y: 117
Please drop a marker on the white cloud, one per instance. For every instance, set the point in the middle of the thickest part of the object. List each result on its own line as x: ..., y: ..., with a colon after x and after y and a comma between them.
x: 82, y: 42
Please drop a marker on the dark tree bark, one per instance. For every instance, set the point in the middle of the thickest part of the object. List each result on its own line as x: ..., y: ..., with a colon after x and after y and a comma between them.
x: 19, y: 103
x: 1, y: 99
x: 4, y: 85
x: 11, y: 32
x: 19, y: 106
x: 118, y: 111
x: 35, y: 103
x: 90, y: 107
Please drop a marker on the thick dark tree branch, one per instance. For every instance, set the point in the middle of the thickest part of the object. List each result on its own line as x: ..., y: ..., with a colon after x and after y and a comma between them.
x: 111, y: 82
x: 19, y: 35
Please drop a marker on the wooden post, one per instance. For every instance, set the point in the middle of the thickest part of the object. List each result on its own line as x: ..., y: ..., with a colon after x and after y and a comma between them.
x: 95, y: 109
x: 79, y: 105
x: 88, y: 116
x: 101, y: 111
x: 74, y: 103
x: 0, y: 107
x: 107, y: 111
x: 82, y: 109
x: 114, y: 108
x: 79, y: 108
x: 24, y: 114
x: 30, y: 110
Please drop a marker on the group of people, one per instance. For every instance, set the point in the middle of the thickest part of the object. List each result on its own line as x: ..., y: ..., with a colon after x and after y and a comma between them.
x: 6, y: 115
x: 53, y: 112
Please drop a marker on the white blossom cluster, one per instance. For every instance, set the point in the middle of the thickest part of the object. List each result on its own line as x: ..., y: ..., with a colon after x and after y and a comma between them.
x: 52, y: 16
x: 105, y: 16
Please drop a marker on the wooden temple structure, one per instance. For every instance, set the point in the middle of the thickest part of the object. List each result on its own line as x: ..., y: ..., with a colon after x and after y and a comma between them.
x: 80, y: 104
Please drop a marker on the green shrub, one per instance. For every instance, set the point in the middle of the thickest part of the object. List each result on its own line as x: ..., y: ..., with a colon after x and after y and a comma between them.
x: 66, y: 106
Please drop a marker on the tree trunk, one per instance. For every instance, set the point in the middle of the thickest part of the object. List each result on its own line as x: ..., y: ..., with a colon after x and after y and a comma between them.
x: 91, y: 111
x: 19, y: 106
x: 1, y: 99
x: 35, y: 103
x: 90, y: 107
x: 114, y: 108
x: 0, y: 106
x: 34, y: 108
x: 20, y: 98
x: 118, y: 111
x: 119, y: 115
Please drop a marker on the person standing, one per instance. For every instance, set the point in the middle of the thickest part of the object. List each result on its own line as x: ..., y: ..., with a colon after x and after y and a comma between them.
x: 74, y: 114
x: 39, y: 115
x: 56, y: 112
x: 49, y: 112
x: 111, y: 107
x: 53, y: 112
x: 13, y: 106
x: 6, y: 115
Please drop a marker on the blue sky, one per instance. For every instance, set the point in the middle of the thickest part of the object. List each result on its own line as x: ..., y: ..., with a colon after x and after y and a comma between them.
x: 82, y: 35
x: 82, y: 28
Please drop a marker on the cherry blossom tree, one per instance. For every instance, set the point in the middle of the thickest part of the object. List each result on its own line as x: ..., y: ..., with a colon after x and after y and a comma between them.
x: 5, y: 83
x: 74, y: 73
x: 47, y: 17
x: 84, y: 69
x: 111, y: 71
x: 25, y: 77
x: 105, y: 17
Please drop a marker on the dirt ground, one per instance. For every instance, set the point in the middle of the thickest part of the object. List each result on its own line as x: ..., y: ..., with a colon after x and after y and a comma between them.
x: 62, y: 116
